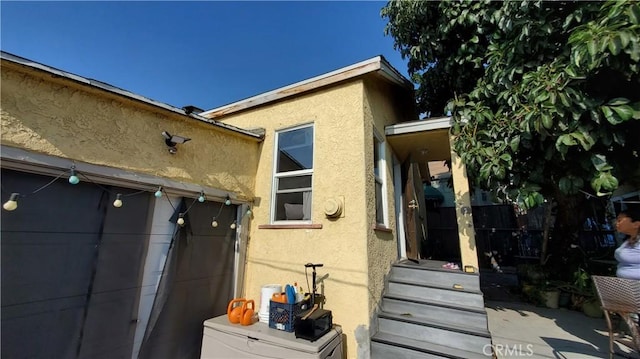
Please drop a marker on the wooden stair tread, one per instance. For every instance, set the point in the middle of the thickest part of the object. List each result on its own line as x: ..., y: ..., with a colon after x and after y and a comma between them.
x: 431, y: 265
x: 436, y: 324
x: 418, y: 284
x: 438, y: 303
x: 426, y: 347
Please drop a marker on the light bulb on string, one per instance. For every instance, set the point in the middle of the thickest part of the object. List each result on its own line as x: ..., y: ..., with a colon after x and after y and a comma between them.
x: 201, y: 198
x: 233, y: 225
x: 181, y: 219
x: 214, y: 223
x: 227, y: 202
x: 73, y: 178
x: 118, y: 202
x: 158, y: 193
x: 248, y: 213
x: 12, y: 203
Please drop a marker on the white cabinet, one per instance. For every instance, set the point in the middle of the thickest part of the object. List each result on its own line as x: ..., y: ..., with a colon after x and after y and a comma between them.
x: 223, y: 340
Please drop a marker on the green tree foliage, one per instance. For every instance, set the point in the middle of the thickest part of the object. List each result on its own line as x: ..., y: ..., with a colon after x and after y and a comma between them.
x: 545, y: 96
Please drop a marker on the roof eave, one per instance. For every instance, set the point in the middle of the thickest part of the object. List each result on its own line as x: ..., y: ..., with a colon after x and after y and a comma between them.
x: 120, y: 92
x: 376, y: 64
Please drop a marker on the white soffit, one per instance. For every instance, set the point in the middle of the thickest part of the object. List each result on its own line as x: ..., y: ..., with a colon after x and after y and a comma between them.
x: 419, y: 126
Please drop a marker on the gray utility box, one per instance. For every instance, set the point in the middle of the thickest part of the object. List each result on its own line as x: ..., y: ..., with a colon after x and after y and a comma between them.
x: 223, y: 340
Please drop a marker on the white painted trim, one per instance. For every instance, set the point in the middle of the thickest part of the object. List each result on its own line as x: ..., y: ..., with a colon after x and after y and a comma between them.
x: 419, y: 126
x: 381, y: 145
x: 275, y: 176
x: 397, y: 183
x: 240, y: 250
x: 375, y: 64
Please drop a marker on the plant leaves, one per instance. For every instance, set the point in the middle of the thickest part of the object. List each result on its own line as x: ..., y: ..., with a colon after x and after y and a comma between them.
x: 625, y: 112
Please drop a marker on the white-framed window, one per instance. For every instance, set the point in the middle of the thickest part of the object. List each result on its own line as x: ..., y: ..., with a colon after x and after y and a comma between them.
x: 293, y: 174
x: 380, y: 175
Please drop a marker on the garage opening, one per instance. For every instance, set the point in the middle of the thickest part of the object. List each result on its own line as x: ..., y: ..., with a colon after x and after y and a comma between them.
x: 81, y: 278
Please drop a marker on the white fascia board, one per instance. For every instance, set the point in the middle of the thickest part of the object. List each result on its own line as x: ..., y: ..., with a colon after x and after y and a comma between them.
x: 377, y: 63
x: 419, y: 126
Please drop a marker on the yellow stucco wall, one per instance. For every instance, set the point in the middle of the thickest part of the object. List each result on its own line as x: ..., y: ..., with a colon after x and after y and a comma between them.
x: 356, y: 257
x: 464, y: 216
x: 382, y: 108
x: 112, y: 131
x: 59, y: 117
x: 279, y: 255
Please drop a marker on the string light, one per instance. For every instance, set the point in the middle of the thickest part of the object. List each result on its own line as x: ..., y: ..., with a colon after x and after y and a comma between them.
x: 118, y: 202
x: 12, y: 203
x: 73, y: 178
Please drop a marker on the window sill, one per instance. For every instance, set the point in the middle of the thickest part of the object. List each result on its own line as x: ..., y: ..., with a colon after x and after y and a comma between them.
x: 380, y: 228
x: 291, y: 226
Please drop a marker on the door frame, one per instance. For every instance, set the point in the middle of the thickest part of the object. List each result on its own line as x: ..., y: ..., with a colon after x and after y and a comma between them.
x: 399, y: 208
x: 429, y: 139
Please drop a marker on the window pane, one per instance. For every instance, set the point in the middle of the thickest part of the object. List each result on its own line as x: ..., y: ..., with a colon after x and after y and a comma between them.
x: 291, y: 206
x: 285, y: 183
x: 295, y: 150
x: 293, y: 193
x: 379, y: 209
x: 376, y: 157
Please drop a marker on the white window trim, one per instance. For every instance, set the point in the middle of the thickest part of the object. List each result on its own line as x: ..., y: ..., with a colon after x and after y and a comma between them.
x: 275, y: 176
x: 382, y: 179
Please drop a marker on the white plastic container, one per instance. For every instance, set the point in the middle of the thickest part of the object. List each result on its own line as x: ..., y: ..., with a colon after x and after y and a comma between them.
x: 265, y: 296
x: 223, y: 340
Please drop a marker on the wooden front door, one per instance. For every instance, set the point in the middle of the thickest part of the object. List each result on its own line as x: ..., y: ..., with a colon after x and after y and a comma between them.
x: 414, y: 206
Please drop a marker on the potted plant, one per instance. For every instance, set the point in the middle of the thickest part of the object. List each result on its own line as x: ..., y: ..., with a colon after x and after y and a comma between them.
x: 564, y: 299
x: 551, y: 295
x: 543, y: 293
x: 584, y: 295
x: 532, y: 280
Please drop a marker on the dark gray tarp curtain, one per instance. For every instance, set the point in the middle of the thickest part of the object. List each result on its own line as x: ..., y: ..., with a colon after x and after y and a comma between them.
x: 196, y: 284
x: 71, y: 268
x: 167, y: 278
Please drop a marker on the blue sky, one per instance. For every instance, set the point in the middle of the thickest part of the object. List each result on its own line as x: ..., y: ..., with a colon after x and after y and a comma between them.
x: 204, y: 53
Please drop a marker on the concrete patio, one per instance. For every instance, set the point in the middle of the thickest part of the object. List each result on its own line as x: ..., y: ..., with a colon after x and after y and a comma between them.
x: 522, y: 330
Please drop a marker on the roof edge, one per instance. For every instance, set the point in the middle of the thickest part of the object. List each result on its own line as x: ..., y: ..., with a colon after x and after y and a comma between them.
x: 375, y: 64
x: 427, y: 124
x: 120, y: 92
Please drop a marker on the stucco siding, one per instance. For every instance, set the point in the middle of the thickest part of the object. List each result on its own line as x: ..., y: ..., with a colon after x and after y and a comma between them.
x: 279, y: 255
x: 381, y: 109
x: 59, y: 117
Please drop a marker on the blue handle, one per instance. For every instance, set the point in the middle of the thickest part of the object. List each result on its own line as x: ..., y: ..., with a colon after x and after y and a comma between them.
x: 291, y: 294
